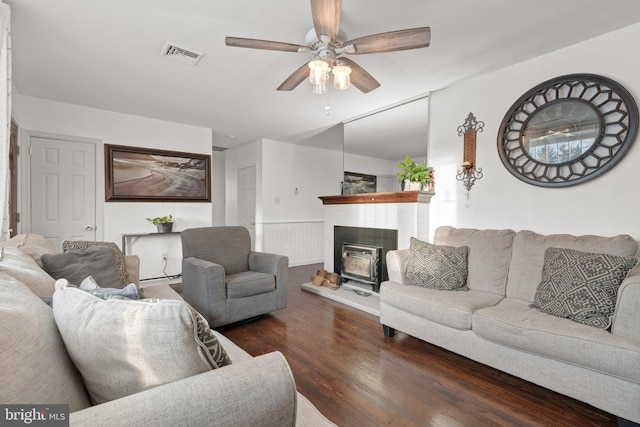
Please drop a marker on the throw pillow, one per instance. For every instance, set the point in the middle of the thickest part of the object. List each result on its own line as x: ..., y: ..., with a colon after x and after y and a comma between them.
x: 35, y: 365
x: 581, y: 286
x: 98, y: 261
x: 17, y: 264
x: 123, y: 346
x: 90, y: 285
x: 437, y: 266
x: 78, y: 245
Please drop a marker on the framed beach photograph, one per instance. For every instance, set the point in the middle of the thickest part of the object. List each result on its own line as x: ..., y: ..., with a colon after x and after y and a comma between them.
x: 357, y: 183
x: 134, y: 174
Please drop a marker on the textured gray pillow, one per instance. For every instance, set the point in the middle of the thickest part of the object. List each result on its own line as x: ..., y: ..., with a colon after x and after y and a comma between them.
x: 437, y: 266
x: 581, y: 286
x: 98, y: 261
x: 123, y: 346
x: 78, y: 245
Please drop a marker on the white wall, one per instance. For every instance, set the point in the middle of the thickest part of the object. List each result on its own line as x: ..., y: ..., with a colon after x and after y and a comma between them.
x: 606, y: 205
x: 294, y: 176
x: 115, y: 218
x: 235, y: 159
x: 290, y: 178
x: 218, y: 190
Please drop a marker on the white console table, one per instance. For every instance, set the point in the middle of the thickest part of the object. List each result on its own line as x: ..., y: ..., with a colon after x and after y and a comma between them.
x: 132, y: 237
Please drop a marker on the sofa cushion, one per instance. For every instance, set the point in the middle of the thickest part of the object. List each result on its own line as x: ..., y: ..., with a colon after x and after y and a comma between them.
x: 453, y: 309
x: 581, y: 286
x: 17, y: 264
x: 33, y: 245
x: 78, y: 245
x: 123, y: 346
x: 437, y: 266
x: 489, y: 255
x: 515, y: 324
x: 527, y: 261
x: 98, y: 262
x: 35, y: 366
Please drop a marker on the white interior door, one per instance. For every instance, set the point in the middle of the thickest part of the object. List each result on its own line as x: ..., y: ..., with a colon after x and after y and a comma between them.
x: 63, y: 189
x: 247, y: 200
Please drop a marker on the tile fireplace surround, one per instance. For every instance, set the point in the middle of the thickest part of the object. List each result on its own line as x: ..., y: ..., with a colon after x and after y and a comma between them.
x: 405, y: 211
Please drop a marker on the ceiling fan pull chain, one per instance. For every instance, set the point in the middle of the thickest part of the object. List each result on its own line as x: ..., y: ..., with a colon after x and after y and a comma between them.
x: 327, y: 107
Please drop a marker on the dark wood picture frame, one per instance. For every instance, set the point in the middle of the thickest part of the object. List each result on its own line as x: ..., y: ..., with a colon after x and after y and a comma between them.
x: 135, y: 174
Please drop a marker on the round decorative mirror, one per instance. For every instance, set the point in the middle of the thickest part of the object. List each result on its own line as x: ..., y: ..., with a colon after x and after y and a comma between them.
x: 568, y: 130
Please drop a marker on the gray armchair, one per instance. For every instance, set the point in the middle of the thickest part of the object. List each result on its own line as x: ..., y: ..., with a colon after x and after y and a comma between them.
x: 228, y: 282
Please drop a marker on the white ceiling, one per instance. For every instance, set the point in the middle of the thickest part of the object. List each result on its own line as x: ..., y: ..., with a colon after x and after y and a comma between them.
x: 106, y: 54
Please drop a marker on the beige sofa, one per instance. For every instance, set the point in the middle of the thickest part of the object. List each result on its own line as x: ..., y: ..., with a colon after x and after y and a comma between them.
x: 495, y: 323
x: 36, y: 367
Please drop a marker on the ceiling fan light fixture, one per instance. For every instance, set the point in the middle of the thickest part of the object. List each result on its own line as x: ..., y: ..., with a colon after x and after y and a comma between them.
x: 318, y: 71
x: 341, y: 77
x: 319, y: 88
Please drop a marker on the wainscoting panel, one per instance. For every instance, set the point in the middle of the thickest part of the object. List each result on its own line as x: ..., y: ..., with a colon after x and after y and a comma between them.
x: 301, y: 241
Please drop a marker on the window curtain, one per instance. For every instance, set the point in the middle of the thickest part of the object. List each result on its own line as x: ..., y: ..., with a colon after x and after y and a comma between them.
x: 5, y: 116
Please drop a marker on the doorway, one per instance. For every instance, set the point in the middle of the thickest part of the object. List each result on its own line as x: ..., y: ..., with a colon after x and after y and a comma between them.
x: 62, y: 189
x: 247, y: 200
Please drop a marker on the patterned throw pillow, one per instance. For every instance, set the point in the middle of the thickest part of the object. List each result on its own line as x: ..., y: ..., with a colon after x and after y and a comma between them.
x: 210, y: 341
x: 581, y: 286
x: 78, y: 245
x: 437, y: 266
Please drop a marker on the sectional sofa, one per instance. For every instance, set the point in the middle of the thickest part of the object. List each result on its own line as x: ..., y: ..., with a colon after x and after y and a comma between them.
x: 497, y: 323
x: 40, y: 368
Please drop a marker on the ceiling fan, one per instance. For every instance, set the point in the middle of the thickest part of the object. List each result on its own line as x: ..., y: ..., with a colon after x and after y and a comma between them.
x: 327, y: 45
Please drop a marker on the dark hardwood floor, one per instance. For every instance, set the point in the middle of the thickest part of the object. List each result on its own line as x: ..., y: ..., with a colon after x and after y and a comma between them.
x: 356, y: 377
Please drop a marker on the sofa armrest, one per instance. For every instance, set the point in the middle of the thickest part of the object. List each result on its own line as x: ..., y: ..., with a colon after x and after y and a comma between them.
x: 203, y: 287
x: 132, y: 266
x: 278, y: 265
x: 397, y: 264
x: 256, y: 392
x: 627, y: 315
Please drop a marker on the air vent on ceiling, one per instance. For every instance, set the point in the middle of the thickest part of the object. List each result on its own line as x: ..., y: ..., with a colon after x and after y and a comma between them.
x: 180, y: 54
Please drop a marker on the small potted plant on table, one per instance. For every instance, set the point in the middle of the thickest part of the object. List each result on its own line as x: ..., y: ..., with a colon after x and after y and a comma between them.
x: 163, y: 223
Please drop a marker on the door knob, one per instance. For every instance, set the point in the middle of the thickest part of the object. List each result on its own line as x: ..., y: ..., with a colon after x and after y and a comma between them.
x: 88, y: 228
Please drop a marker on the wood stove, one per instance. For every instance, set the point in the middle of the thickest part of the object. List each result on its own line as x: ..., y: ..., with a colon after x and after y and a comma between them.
x: 362, y: 264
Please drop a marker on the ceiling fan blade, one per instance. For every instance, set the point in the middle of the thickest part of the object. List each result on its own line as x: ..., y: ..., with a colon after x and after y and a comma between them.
x: 264, y: 44
x: 298, y: 76
x: 413, y: 38
x: 362, y: 80
x: 326, y: 17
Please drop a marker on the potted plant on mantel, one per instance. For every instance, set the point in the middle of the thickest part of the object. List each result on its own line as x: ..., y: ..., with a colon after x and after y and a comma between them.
x: 414, y: 176
x: 163, y: 223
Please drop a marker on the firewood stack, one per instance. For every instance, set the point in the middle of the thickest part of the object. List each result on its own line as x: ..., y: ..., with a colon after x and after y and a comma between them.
x: 326, y: 279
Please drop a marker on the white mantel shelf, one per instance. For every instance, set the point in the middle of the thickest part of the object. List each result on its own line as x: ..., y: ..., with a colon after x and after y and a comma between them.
x: 392, y: 197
